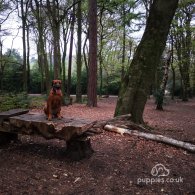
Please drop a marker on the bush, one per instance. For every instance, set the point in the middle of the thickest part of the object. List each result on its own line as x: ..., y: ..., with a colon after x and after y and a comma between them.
x: 37, y: 101
x: 11, y: 101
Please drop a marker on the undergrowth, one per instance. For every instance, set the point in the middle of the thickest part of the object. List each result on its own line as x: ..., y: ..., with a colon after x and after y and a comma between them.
x: 21, y: 100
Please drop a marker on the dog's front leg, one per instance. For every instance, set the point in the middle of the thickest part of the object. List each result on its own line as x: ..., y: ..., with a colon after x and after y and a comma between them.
x: 49, y: 111
x: 59, y: 116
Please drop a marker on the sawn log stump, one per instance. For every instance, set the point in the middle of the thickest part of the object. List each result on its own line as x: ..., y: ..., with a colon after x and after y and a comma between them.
x: 79, y: 148
x: 70, y: 130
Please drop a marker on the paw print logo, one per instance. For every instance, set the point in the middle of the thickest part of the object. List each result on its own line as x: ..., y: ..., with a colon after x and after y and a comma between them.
x: 159, y: 170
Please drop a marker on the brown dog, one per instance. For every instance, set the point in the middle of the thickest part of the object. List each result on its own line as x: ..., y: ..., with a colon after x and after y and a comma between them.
x: 54, y: 101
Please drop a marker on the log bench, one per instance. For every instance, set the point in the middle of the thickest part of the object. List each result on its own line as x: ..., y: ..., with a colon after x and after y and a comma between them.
x: 19, y: 121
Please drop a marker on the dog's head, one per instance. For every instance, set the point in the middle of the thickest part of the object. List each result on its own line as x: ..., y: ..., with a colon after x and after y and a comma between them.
x: 56, y: 84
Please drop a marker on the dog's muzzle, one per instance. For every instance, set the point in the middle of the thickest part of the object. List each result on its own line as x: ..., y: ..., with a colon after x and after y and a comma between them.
x: 57, y: 86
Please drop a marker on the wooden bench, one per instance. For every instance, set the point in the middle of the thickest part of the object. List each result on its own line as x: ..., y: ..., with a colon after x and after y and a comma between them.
x: 19, y: 121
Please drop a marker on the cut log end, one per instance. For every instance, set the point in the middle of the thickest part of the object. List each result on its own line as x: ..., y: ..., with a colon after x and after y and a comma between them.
x: 6, y: 138
x: 79, y: 148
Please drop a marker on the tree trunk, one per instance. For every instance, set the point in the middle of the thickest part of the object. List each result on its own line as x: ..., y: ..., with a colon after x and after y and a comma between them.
x: 183, y: 43
x: 84, y: 54
x: 47, y: 73
x: 42, y: 55
x: 172, y: 67
x: 2, y: 64
x: 79, y: 59
x: 193, y: 79
x: 24, y: 46
x: 173, y: 85
x: 124, y: 42
x: 100, y: 51
x: 51, y: 66
x: 28, y: 59
x: 136, y: 83
x: 54, y: 18
x: 40, y: 63
x: 92, y: 79
x: 70, y: 51
x: 57, y: 56
x: 65, y: 32
x: 161, y: 92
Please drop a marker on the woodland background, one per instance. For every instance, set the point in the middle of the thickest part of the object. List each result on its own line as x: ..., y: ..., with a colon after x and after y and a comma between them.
x: 58, y: 32
x: 97, y: 49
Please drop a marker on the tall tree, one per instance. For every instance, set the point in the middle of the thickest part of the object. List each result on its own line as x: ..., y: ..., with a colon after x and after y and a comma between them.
x: 92, y: 79
x: 40, y: 28
x: 139, y: 77
x: 24, y: 5
x: 28, y: 55
x: 124, y: 40
x: 2, y: 63
x: 101, y: 45
x: 71, y: 49
x: 183, y: 43
x: 161, y: 91
x: 65, y: 32
x: 79, y: 57
x: 53, y: 12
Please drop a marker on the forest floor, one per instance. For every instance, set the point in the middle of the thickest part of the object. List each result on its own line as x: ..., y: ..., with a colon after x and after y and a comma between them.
x: 119, y: 165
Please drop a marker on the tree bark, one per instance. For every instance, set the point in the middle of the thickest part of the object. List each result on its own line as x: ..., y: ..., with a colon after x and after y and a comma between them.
x: 172, y: 68
x: 70, y: 51
x: 54, y: 16
x: 100, y: 50
x: 173, y: 80
x: 92, y: 79
x: 155, y: 137
x: 40, y: 63
x: 57, y: 55
x: 65, y: 33
x: 42, y: 55
x: 2, y: 64
x: 84, y: 54
x: 183, y: 43
x: 136, y: 83
x: 28, y: 58
x: 23, y: 15
x: 161, y: 92
x: 124, y: 42
x: 79, y: 57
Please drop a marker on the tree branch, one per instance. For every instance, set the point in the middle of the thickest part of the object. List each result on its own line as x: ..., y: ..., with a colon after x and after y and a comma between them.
x: 155, y: 137
x: 7, y: 16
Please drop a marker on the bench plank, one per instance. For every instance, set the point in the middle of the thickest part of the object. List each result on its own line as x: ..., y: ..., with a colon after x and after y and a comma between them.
x: 35, y: 123
x: 14, y: 112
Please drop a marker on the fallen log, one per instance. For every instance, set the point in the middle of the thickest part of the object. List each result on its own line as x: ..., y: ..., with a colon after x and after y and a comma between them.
x: 155, y: 137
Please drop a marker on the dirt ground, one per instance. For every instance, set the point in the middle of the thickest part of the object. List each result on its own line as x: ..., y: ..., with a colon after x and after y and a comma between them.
x: 119, y: 165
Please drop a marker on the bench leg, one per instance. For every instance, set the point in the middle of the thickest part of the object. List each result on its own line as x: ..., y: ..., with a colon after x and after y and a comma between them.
x: 6, y: 138
x: 79, y: 148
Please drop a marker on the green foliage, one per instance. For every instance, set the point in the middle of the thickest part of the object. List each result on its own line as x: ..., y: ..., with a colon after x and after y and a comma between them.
x: 113, y: 87
x: 37, y: 101
x: 11, y: 101
x: 178, y: 87
x: 35, y: 80
x: 12, y: 74
x: 83, y: 82
x: 21, y: 100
